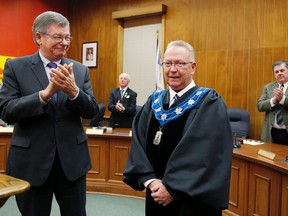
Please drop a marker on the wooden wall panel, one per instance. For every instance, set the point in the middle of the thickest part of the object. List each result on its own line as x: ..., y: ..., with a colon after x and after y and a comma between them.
x: 236, y: 43
x: 4, y: 148
x: 98, y: 150
x: 284, y: 199
x: 238, y: 188
x: 119, y: 151
x: 3, y: 156
x: 264, y: 191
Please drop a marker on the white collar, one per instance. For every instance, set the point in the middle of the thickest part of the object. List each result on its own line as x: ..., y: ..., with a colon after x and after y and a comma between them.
x: 183, y: 91
x: 123, y: 88
x: 46, y: 61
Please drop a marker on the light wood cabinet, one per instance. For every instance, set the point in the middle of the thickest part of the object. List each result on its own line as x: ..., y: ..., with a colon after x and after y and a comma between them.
x: 4, y: 147
x: 238, y: 188
x: 284, y: 198
x: 259, y: 186
x: 264, y: 191
x: 109, y: 153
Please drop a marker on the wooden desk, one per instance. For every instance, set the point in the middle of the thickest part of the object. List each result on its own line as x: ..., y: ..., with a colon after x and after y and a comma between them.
x: 10, y: 186
x: 259, y: 186
x: 109, y: 153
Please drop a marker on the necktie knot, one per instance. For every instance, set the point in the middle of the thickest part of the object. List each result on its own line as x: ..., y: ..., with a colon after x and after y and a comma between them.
x: 52, y: 65
x: 176, y: 96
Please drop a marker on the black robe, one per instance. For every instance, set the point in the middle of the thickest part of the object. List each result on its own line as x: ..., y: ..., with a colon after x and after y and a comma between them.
x: 193, y: 159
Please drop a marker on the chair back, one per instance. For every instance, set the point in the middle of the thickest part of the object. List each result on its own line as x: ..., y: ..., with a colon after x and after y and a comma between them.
x: 99, y: 117
x: 239, y: 121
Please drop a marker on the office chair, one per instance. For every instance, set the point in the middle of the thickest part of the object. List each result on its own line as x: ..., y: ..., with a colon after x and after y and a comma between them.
x: 239, y: 121
x: 99, y: 117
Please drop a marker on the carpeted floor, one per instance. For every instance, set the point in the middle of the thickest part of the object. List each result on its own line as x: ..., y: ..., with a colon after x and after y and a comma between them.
x: 97, y: 205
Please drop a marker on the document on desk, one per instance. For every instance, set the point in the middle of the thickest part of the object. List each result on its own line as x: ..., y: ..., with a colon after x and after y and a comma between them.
x: 252, y: 142
x: 94, y: 131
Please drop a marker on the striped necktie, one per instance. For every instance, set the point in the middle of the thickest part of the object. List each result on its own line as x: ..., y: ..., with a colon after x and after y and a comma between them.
x: 175, y: 98
x: 122, y: 93
x: 53, y: 65
x: 279, y: 117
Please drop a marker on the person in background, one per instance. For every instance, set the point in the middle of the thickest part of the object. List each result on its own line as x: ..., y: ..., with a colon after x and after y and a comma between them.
x: 274, y: 103
x: 122, y: 104
x: 181, y: 148
x: 49, y: 146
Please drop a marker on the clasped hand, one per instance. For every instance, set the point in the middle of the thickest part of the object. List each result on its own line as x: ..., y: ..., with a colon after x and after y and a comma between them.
x: 160, y: 193
x: 278, y: 94
x: 62, y: 78
x: 119, y: 106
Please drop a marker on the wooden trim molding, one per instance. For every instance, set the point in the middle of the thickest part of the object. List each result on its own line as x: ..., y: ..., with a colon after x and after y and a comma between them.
x: 137, y: 12
x: 120, y: 16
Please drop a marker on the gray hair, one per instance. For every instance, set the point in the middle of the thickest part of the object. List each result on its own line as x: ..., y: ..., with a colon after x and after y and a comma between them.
x: 279, y: 62
x: 184, y: 44
x: 125, y: 74
x: 44, y: 20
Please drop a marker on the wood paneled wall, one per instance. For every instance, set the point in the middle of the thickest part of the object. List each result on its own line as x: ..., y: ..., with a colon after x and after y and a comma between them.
x: 236, y: 43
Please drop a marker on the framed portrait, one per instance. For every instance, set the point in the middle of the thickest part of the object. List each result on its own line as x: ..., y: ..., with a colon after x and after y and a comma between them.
x: 89, y: 54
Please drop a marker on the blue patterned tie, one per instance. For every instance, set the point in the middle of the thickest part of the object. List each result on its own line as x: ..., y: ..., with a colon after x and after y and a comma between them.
x: 53, y: 65
x: 279, y: 117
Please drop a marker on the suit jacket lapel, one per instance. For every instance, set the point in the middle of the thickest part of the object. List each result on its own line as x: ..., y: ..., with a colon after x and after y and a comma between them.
x: 39, y: 70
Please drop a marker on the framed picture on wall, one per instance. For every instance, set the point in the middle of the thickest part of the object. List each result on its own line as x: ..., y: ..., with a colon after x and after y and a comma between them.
x: 89, y: 54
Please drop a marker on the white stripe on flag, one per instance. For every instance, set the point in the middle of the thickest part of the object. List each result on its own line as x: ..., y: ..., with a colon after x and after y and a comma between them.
x: 159, y: 70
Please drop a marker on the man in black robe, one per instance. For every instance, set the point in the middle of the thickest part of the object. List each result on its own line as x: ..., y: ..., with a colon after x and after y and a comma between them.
x: 181, y: 148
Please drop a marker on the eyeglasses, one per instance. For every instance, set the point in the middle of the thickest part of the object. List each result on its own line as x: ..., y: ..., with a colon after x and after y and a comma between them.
x: 176, y: 64
x: 58, y: 38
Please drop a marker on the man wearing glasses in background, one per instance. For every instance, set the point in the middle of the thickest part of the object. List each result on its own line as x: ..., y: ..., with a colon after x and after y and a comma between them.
x: 181, y: 148
x: 44, y: 96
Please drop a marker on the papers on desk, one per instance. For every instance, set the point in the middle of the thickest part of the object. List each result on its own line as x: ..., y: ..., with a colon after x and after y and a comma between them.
x: 6, y: 129
x: 252, y: 142
x: 99, y: 130
x: 94, y: 131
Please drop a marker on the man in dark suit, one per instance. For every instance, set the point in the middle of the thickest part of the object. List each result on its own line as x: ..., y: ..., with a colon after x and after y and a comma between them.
x: 122, y: 104
x: 49, y: 146
x: 274, y: 103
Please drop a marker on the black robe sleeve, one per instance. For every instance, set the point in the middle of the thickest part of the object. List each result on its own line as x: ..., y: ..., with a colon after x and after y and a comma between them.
x: 138, y: 168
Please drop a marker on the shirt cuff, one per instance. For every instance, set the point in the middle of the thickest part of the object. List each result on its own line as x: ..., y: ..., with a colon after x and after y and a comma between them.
x: 75, y: 96
x: 41, y: 100
x: 146, y: 183
x: 271, y: 103
x: 282, y: 100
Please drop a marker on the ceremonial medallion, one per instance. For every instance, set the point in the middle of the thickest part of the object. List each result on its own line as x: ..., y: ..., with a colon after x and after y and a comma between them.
x: 157, y: 138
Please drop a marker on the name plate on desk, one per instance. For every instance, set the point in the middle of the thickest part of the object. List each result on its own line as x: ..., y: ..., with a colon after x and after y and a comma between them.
x: 94, y: 131
x: 267, y: 154
x: 6, y: 129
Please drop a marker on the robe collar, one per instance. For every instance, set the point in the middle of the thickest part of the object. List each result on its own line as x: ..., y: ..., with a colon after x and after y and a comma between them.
x: 164, y: 116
